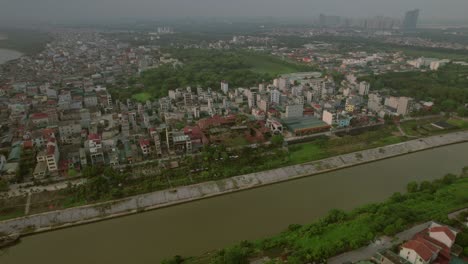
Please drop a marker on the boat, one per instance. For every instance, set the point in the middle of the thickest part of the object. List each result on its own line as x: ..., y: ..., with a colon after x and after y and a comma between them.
x: 8, y: 241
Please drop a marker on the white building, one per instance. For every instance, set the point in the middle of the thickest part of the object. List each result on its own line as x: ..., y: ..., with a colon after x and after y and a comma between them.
x: 224, y: 87
x: 50, y: 155
x: 283, y: 84
x: 364, y: 88
x: 275, y: 96
x: 293, y: 111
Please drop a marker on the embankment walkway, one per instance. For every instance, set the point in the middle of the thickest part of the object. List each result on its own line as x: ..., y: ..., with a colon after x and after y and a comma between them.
x: 96, y: 212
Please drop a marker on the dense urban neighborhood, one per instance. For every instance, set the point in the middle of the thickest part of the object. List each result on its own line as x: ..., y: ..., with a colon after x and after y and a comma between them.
x: 98, y: 122
x: 60, y: 116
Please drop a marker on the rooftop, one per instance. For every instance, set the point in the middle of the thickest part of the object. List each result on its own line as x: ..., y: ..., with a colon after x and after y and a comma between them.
x: 424, y: 250
x: 303, y: 123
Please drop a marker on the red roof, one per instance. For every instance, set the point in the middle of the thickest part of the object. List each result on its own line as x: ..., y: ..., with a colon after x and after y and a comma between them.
x: 27, y: 144
x: 144, y: 142
x: 47, y: 132
x: 445, y: 230
x: 50, y: 150
x: 444, y: 251
x: 39, y: 116
x: 216, y: 121
x: 424, y: 250
x: 93, y: 136
x: 193, y: 132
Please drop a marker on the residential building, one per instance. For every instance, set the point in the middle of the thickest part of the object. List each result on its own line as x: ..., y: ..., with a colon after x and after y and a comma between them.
x: 224, y: 87
x: 275, y: 96
x: 50, y: 155
x: 364, y: 88
x: 293, y: 110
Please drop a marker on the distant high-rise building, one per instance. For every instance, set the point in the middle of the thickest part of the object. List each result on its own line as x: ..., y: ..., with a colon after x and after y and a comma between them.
x: 411, y: 19
x: 329, y: 21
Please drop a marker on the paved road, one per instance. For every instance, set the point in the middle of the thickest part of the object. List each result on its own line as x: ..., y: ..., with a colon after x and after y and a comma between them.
x: 382, y: 243
x: 454, y: 215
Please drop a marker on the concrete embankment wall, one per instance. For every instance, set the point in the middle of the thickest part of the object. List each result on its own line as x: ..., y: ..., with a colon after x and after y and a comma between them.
x: 96, y: 212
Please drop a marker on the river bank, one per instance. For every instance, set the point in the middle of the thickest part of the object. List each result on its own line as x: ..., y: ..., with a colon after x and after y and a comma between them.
x: 98, y: 212
x: 25, y: 41
x: 8, y: 55
x: 205, y: 225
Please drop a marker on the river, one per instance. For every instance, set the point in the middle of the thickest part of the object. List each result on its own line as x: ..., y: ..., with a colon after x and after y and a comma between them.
x: 201, y: 226
x: 7, y: 55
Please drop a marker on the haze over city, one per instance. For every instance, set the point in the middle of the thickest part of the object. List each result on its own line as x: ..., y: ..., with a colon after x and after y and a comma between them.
x: 63, y: 10
x: 234, y: 131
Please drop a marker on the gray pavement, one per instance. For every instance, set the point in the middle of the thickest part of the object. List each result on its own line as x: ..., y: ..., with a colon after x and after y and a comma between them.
x: 382, y: 243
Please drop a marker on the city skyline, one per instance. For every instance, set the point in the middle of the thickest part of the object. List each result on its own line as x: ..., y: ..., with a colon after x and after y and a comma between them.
x: 53, y: 10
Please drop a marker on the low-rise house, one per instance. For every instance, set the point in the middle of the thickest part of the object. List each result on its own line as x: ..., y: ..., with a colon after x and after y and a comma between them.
x: 39, y: 119
x: 432, y: 245
x: 94, y: 146
x: 50, y: 155
x: 418, y: 252
x: 145, y: 146
x: 40, y: 171
x: 70, y: 132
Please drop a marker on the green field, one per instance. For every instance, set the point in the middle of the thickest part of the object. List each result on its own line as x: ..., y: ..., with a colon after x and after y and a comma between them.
x: 436, y: 53
x: 323, y: 148
x: 141, y: 97
x: 263, y: 63
x: 458, y: 123
x: 306, y: 152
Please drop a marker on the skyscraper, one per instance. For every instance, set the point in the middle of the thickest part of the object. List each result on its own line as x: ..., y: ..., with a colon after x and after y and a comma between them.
x: 329, y: 21
x: 411, y: 19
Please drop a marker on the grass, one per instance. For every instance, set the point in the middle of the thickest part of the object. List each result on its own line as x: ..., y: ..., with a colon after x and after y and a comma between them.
x: 72, y: 173
x: 262, y: 63
x: 142, y: 97
x: 236, y: 142
x: 321, y: 148
x: 453, y: 55
x: 388, y: 140
x: 423, y: 127
x: 307, y: 152
x: 12, y: 215
x: 460, y: 123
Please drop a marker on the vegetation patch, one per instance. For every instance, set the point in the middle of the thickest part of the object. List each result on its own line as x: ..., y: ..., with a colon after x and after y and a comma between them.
x: 141, y: 97
x: 207, y: 68
x: 447, y: 87
x: 342, y: 231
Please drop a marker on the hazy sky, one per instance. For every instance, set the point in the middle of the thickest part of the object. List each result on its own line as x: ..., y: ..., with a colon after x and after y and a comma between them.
x: 115, y: 9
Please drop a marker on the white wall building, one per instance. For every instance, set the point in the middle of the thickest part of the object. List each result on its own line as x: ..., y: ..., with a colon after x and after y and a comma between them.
x: 224, y: 87
x: 275, y: 96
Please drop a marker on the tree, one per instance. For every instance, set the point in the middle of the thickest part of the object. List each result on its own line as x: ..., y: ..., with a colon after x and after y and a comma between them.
x: 234, y: 255
x: 174, y: 260
x: 4, y: 186
x: 277, y: 140
x: 426, y: 186
x: 412, y: 187
x: 462, y: 111
x: 449, y: 178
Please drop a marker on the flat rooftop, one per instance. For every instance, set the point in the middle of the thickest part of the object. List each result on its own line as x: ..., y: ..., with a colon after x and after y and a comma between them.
x: 303, y: 123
